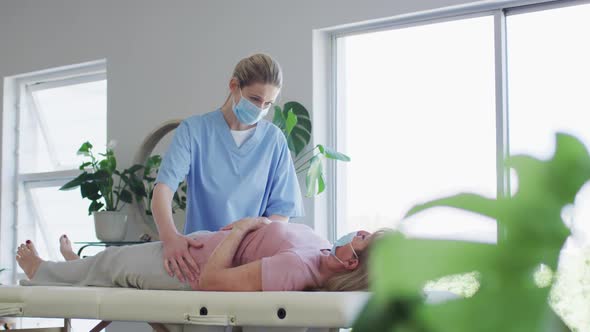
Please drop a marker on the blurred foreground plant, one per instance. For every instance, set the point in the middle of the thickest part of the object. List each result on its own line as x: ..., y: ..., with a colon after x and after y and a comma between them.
x: 532, y: 233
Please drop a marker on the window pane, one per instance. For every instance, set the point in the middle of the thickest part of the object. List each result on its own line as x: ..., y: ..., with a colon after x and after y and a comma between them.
x: 416, y: 106
x: 44, y: 216
x: 57, y: 121
x: 50, y: 213
x: 549, y: 80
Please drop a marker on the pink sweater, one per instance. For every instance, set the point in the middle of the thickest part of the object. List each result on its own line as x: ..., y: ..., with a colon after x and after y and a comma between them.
x: 290, y: 254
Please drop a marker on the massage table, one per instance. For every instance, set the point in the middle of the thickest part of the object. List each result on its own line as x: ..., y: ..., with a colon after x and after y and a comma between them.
x: 193, y: 311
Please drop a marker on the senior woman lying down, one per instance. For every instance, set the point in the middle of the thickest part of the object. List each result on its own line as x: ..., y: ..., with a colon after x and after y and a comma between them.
x: 251, y: 254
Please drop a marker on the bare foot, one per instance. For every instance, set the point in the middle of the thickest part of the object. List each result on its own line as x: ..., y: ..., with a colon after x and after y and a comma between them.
x: 28, y: 260
x: 65, y: 247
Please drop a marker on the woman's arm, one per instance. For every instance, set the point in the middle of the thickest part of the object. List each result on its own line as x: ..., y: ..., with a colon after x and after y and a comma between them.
x: 177, y: 259
x: 162, y: 210
x: 218, y: 273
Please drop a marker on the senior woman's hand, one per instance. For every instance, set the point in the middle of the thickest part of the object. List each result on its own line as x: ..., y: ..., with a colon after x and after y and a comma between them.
x: 177, y: 258
x: 247, y: 224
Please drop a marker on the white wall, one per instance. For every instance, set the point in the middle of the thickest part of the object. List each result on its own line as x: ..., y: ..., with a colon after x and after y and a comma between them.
x: 172, y: 59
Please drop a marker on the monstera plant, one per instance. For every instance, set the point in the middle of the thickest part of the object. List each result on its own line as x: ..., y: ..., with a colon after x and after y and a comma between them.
x: 532, y: 233
x: 294, y: 120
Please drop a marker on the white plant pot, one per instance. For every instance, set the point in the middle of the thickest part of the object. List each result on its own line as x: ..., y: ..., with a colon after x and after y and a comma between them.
x: 110, y: 226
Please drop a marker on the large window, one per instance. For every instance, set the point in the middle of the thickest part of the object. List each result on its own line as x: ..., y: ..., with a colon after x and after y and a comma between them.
x: 56, y: 117
x: 416, y: 113
x: 430, y: 108
x: 54, y: 114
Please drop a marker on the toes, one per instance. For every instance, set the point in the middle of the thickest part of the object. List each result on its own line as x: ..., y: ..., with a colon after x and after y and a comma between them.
x: 23, y: 250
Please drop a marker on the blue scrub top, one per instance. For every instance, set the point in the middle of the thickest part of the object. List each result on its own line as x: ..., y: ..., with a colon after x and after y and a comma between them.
x: 227, y: 183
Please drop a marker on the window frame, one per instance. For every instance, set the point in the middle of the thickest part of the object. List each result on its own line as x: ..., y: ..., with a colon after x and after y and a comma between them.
x: 15, y: 185
x: 326, y: 61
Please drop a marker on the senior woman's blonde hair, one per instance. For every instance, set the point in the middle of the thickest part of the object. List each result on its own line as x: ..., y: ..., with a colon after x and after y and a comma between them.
x: 357, y: 279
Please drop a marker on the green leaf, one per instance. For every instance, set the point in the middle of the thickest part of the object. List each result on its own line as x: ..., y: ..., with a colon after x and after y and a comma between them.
x: 75, y: 182
x: 509, y: 309
x: 290, y: 122
x: 278, y: 119
x: 295, y: 144
x: 137, y: 186
x: 94, y: 206
x: 126, y: 178
x: 139, y: 190
x: 101, y: 177
x: 134, y: 168
x: 314, y: 173
x: 332, y: 154
x: 126, y: 196
x: 179, y: 200
x: 85, y: 149
x: 532, y: 233
x: 469, y: 202
x: 300, y: 135
x: 153, y: 162
x: 385, y: 315
x: 321, y: 183
x: 423, y: 260
x: 90, y: 190
x: 84, y: 165
x: 109, y: 164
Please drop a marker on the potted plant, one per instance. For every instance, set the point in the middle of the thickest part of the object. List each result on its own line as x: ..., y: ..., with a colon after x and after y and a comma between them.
x: 294, y: 120
x: 107, y: 199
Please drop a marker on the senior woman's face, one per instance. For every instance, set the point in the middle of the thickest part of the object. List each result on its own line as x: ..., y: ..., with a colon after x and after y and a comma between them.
x: 360, y: 241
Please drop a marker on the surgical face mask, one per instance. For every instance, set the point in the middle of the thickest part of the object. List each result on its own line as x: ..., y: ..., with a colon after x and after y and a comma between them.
x: 344, y: 240
x: 246, y: 112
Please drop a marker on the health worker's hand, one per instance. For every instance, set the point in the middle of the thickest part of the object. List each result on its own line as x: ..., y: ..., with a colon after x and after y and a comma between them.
x: 177, y: 259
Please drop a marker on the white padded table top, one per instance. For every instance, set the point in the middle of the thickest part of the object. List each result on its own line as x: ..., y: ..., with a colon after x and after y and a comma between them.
x: 302, y: 309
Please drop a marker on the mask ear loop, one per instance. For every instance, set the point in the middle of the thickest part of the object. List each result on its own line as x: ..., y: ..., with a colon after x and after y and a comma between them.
x: 341, y: 262
x: 353, y: 251
x: 241, y: 96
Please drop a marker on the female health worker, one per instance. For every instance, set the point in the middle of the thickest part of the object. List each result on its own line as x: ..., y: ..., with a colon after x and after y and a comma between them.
x: 236, y: 164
